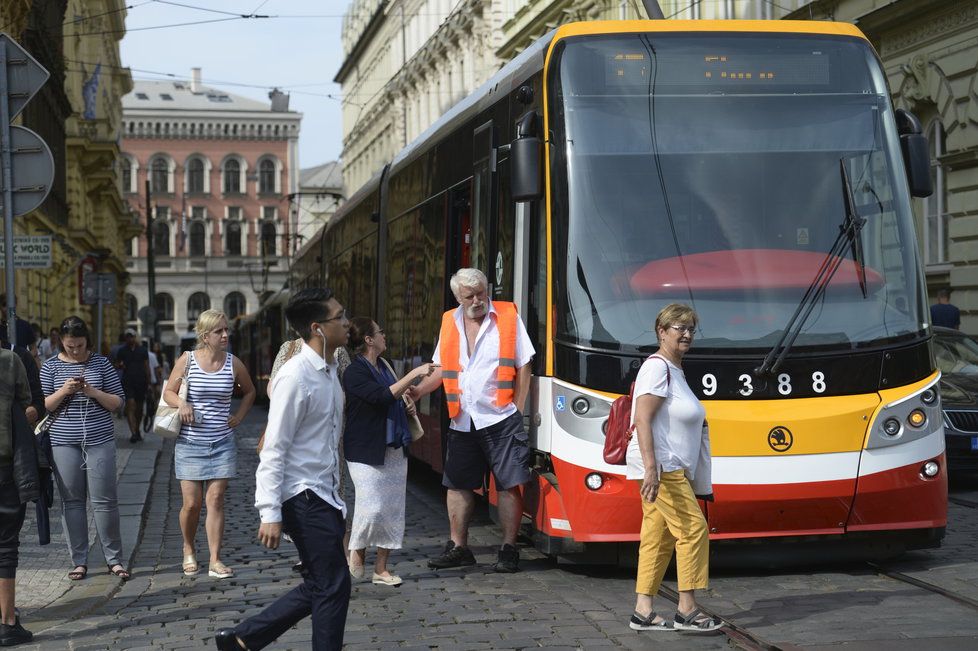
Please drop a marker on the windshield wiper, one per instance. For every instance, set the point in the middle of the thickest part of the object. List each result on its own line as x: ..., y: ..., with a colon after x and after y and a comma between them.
x: 849, y: 236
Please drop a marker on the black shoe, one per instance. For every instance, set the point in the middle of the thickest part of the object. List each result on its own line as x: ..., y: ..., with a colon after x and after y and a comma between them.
x: 134, y: 438
x: 13, y: 634
x: 453, y: 556
x: 147, y: 424
x: 226, y: 640
x: 297, y: 567
x: 508, y: 560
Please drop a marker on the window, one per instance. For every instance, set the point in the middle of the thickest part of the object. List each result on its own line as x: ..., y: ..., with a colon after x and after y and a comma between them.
x: 268, y: 213
x: 161, y: 235
x: 142, y: 96
x: 232, y: 177
x: 232, y: 235
x: 164, y: 307
x: 166, y: 97
x: 160, y: 175
x: 132, y: 308
x: 195, y: 175
x: 197, y: 303
x: 197, y: 237
x: 935, y: 206
x: 126, y: 175
x: 268, y: 238
x: 234, y: 305
x: 266, y: 177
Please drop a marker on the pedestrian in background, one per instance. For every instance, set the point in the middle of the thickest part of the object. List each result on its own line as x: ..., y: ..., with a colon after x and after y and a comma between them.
x: 50, y: 346
x: 943, y: 313
x: 36, y: 409
x: 298, y: 479
x: 133, y: 359
x: 484, y: 353
x: 205, y: 455
x: 153, y: 395
x: 82, y: 391
x: 376, y: 440
x: 18, y: 484
x: 669, y: 455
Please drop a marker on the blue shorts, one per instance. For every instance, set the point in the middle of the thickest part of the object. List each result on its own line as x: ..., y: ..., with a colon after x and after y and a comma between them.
x: 196, y: 460
x: 503, y: 447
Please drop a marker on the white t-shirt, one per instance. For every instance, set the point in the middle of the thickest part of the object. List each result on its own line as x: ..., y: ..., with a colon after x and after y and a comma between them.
x: 153, y: 365
x: 677, y: 428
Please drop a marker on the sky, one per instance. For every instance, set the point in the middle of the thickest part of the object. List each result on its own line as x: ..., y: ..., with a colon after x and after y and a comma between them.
x: 299, y: 51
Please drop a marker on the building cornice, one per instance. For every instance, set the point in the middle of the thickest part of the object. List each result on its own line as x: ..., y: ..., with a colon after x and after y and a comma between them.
x: 376, y: 21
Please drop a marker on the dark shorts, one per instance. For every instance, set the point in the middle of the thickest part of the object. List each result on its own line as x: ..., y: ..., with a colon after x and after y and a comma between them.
x: 135, y: 391
x: 502, y: 447
x: 11, y: 520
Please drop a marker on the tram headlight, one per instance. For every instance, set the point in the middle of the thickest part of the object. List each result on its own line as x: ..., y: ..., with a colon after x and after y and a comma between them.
x: 929, y: 396
x: 581, y: 405
x: 917, y: 418
x: 930, y: 469
x: 594, y: 481
x: 891, y: 427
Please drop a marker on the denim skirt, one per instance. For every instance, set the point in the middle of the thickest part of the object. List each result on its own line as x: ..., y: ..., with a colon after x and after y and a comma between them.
x: 196, y: 460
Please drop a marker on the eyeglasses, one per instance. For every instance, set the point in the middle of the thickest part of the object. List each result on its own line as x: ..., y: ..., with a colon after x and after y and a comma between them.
x: 342, y: 316
x: 684, y: 329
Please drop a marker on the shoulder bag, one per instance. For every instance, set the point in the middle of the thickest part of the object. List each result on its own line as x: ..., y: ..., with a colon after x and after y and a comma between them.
x: 167, y: 421
x: 414, y: 423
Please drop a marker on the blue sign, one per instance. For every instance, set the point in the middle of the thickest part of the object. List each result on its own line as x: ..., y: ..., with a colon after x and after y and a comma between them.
x: 561, y: 403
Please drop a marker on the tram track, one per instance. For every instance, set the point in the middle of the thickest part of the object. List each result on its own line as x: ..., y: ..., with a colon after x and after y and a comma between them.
x: 960, y: 501
x: 925, y: 585
x: 738, y: 635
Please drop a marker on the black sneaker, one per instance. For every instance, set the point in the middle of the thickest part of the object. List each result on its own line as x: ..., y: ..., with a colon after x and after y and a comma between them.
x: 135, y: 438
x: 13, y: 634
x: 508, y: 560
x: 453, y: 556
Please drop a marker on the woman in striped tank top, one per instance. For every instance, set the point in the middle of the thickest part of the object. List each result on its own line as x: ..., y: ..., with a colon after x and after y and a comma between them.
x: 205, y: 455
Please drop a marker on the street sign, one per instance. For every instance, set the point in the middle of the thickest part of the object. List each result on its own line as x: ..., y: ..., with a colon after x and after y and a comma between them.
x: 30, y: 251
x: 32, y: 172
x: 98, y: 287
x: 147, y: 314
x: 25, y: 75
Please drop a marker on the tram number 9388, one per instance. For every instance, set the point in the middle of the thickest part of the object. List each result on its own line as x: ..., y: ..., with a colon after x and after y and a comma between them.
x: 782, y: 384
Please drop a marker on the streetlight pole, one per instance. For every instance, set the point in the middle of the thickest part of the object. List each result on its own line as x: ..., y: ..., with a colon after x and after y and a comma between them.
x: 151, y: 263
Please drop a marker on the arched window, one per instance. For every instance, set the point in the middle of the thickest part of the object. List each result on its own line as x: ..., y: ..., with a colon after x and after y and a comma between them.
x: 161, y: 238
x: 234, y: 305
x: 164, y: 307
x: 126, y: 175
x: 232, y: 177
x: 197, y: 303
x: 132, y: 308
x: 935, y: 206
x: 195, y: 175
x: 160, y: 175
x: 268, y: 238
x: 232, y: 234
x: 266, y: 177
x: 197, y: 236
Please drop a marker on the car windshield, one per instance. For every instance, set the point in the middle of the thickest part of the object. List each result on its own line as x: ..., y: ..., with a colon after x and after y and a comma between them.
x: 956, y: 354
x: 705, y: 169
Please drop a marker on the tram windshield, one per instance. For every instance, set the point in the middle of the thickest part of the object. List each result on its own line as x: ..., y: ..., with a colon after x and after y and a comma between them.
x: 705, y: 169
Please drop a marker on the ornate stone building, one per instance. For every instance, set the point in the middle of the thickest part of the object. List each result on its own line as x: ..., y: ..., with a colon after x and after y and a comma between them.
x: 221, y: 170
x: 78, y: 113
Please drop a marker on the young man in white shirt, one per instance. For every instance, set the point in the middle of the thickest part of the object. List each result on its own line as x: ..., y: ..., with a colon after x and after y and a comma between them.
x: 485, y: 353
x: 298, y: 481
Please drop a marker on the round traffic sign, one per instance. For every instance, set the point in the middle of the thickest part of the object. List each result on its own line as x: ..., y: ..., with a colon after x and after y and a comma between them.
x: 147, y: 314
x: 32, y: 169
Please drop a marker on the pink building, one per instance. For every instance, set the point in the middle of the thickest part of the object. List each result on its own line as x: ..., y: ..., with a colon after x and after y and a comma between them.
x: 222, y: 170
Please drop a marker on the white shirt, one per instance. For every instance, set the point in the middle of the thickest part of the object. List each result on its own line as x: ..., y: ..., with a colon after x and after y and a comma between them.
x: 301, y: 450
x: 153, y: 365
x: 681, y: 441
x: 477, y: 379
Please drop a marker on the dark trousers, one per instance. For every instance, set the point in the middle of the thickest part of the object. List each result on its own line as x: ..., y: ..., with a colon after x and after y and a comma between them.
x: 11, y: 520
x: 317, y: 530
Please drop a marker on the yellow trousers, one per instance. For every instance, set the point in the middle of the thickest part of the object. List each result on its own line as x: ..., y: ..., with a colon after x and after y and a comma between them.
x: 673, y: 521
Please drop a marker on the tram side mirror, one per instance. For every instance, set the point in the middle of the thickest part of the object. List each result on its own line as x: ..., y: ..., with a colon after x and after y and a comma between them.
x: 916, y: 153
x: 525, y: 160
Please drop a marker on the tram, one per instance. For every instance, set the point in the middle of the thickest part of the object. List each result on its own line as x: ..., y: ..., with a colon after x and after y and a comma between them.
x: 755, y: 170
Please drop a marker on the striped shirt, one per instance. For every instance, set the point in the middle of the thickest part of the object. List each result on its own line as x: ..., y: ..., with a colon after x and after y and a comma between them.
x: 85, y: 421
x: 210, y: 395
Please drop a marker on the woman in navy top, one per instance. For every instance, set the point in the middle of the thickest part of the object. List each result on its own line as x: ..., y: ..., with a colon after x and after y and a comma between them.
x: 81, y: 390
x: 375, y: 441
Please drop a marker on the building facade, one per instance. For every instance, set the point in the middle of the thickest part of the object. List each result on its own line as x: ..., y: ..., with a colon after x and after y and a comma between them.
x: 78, y: 114
x: 220, y: 170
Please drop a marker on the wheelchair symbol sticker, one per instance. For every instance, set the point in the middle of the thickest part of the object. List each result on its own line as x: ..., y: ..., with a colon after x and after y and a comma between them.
x: 561, y: 403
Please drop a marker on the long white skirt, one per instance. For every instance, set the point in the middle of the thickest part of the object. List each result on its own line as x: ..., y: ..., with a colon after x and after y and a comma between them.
x: 378, y: 512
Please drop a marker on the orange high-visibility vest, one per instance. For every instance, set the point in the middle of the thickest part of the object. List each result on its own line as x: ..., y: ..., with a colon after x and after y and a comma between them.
x: 449, y: 342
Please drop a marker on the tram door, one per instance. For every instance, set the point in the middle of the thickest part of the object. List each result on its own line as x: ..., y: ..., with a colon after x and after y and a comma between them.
x: 493, y: 219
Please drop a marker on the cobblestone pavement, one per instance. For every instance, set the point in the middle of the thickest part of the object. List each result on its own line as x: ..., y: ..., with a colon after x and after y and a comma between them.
x: 546, y: 605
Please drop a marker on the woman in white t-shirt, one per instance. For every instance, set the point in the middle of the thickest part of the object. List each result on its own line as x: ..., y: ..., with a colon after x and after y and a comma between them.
x: 670, y: 455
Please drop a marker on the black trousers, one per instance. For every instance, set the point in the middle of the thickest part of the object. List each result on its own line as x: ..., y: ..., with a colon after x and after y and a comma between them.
x: 11, y: 520
x: 317, y: 530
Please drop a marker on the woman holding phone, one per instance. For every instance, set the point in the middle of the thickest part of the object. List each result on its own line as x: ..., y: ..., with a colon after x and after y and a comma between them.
x: 81, y: 390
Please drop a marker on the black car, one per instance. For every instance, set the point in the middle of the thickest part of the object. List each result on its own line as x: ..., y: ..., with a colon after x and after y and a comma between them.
x: 957, y: 357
